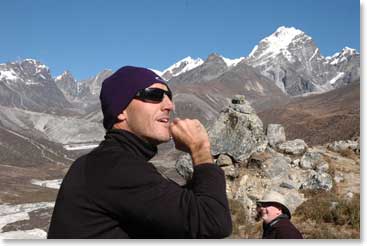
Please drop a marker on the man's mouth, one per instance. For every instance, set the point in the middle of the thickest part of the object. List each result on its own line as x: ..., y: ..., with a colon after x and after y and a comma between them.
x: 163, y: 120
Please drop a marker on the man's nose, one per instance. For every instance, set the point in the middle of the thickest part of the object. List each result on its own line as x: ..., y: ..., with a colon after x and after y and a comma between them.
x: 168, y: 104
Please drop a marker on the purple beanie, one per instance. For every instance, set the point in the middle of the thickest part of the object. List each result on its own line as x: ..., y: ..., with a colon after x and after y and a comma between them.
x: 121, y: 87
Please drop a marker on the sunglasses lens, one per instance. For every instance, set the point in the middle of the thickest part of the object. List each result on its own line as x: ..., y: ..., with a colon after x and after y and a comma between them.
x: 153, y: 94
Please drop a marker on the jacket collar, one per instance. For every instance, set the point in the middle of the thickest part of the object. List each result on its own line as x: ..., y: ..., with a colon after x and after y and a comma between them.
x: 274, y: 221
x: 132, y: 143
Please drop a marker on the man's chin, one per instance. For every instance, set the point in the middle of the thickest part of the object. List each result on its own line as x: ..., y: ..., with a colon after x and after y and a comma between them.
x: 158, y: 141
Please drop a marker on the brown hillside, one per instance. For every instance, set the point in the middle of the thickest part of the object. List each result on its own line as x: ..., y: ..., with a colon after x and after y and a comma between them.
x: 321, y: 118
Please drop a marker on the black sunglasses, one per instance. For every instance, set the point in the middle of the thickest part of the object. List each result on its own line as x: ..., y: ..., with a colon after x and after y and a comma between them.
x: 153, y: 94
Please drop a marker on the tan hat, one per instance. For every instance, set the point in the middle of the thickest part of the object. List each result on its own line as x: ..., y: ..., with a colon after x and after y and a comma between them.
x: 276, y: 197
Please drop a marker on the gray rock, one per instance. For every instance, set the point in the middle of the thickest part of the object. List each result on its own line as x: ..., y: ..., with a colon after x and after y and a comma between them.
x: 339, y: 177
x: 317, y: 181
x: 224, y: 160
x: 275, y: 134
x: 313, y: 160
x: 322, y: 166
x: 276, y: 167
x: 287, y: 185
x: 349, y: 195
x: 230, y: 171
x: 184, y: 166
x: 309, y: 160
x: 296, y: 162
x: 238, y: 132
x: 293, y: 147
x: 339, y: 146
x: 238, y: 99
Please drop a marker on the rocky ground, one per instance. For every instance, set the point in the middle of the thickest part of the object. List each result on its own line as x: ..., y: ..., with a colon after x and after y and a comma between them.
x: 255, y: 159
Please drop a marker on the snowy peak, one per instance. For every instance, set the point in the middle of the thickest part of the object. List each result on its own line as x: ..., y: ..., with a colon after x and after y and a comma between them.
x: 181, y: 66
x: 232, y: 62
x: 67, y: 84
x: 278, y: 42
x: 291, y: 59
x: 188, y: 64
x: 159, y: 73
x: 65, y: 76
x: 30, y: 86
x: 28, y: 72
x: 344, y: 55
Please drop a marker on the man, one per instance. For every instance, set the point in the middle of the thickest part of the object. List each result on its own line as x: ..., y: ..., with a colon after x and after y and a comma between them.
x: 276, y: 217
x: 114, y: 192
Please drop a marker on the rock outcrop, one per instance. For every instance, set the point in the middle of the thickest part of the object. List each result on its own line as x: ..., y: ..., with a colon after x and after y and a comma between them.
x: 255, y: 162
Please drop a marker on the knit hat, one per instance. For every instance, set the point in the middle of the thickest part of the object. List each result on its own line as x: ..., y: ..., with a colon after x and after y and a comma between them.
x: 276, y: 197
x: 121, y: 87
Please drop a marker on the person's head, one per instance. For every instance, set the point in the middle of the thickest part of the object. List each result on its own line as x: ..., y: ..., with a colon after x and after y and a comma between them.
x: 139, y: 101
x: 271, y: 206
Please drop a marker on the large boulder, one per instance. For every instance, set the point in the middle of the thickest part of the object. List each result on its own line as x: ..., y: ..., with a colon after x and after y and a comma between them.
x: 275, y: 134
x: 293, y: 147
x: 318, y: 181
x: 339, y: 146
x: 238, y: 132
x: 313, y: 160
x: 276, y: 167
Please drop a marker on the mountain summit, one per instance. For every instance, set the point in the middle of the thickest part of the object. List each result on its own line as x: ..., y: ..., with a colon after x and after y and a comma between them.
x: 294, y: 62
x: 28, y: 84
x: 181, y: 66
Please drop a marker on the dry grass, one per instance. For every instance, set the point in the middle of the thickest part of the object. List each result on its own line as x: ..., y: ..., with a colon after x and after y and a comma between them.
x: 325, y: 215
x: 243, y: 227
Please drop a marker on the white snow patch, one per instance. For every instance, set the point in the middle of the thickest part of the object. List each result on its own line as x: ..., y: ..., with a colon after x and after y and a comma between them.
x: 8, y: 75
x: 338, y: 76
x: 278, y: 41
x: 58, y: 77
x: 53, y: 184
x: 341, y: 56
x: 30, y: 82
x: 79, y: 146
x: 189, y: 64
x: 28, y: 234
x: 13, y: 213
x: 314, y: 54
x: 253, y: 51
x: 288, y: 56
x: 11, y: 218
x: 159, y: 73
x: 232, y: 62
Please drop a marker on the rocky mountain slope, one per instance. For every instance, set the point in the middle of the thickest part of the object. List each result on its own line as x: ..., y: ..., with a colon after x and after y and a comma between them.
x: 28, y: 85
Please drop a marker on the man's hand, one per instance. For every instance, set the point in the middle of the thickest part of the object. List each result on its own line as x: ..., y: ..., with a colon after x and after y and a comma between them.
x: 191, y: 137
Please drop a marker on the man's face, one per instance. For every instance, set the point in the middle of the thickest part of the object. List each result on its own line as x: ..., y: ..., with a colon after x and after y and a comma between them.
x: 268, y: 212
x: 150, y: 120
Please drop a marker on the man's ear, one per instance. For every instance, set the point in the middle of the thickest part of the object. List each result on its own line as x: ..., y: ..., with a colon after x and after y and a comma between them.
x: 122, y: 116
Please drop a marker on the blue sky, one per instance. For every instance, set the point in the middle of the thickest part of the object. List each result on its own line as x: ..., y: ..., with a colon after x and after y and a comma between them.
x: 86, y: 37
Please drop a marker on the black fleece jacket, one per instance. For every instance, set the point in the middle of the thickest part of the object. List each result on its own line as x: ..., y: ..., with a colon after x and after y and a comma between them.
x: 281, y: 228
x: 114, y: 192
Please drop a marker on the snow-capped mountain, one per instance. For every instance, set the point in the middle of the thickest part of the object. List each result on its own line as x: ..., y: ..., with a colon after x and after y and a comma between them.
x: 90, y: 88
x: 347, y: 63
x: 68, y: 85
x: 84, y: 92
x: 232, y: 62
x: 212, y: 67
x: 188, y: 64
x: 181, y: 66
x: 28, y: 84
x: 293, y: 61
